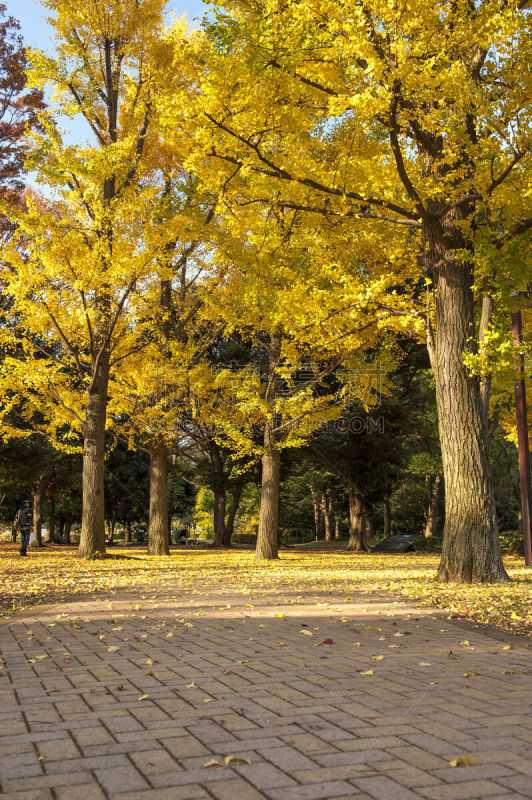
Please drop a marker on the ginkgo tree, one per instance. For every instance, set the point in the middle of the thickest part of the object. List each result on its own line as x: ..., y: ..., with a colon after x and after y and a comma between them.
x: 77, y: 269
x: 393, y: 116
x: 312, y: 343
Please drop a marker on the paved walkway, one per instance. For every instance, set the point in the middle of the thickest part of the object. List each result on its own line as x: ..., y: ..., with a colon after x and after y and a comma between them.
x: 157, y: 698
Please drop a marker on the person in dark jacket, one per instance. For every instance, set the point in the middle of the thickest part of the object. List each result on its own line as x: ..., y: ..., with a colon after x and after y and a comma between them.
x: 25, y: 516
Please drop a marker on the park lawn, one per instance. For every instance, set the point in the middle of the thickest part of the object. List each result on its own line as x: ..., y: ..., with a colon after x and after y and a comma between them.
x: 56, y: 572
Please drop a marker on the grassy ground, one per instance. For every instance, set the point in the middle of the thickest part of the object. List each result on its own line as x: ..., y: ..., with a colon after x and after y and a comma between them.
x: 57, y: 572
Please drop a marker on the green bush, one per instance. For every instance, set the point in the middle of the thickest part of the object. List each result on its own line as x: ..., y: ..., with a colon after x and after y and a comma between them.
x: 512, y: 543
x: 431, y: 544
x: 244, y: 538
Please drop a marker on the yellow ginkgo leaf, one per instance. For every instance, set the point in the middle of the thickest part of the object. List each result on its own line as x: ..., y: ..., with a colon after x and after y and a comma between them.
x: 236, y: 760
x: 462, y: 761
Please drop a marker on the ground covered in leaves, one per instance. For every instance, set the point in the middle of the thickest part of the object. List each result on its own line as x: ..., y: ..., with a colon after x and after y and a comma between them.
x: 56, y: 572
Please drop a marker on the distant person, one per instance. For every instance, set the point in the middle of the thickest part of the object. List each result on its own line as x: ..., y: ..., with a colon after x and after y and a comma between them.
x: 25, y: 518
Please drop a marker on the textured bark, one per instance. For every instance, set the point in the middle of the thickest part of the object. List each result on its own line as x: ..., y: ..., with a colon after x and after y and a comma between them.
x: 268, y: 533
x: 337, y: 528
x: 326, y: 510
x: 357, y: 522
x: 471, y: 552
x: 268, y: 536
x: 158, y: 536
x: 92, y: 541
x: 433, y: 500
x: 127, y: 532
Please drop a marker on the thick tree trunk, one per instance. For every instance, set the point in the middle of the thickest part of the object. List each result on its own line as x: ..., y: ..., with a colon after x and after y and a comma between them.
x: 471, y: 552
x: 92, y: 541
x: 158, y: 537
x: 268, y: 536
x: 127, y: 532
x: 357, y: 524
x: 230, y: 521
x: 61, y: 526
x: 433, y: 501
x: 268, y: 533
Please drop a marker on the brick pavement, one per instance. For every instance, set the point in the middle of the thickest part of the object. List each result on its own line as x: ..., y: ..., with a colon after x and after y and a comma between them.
x: 133, y: 697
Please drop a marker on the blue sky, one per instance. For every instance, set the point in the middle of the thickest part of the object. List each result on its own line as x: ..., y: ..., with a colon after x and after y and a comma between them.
x: 31, y: 15
x: 37, y: 33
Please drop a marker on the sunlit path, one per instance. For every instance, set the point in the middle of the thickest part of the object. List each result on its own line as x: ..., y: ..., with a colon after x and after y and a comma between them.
x: 313, y: 693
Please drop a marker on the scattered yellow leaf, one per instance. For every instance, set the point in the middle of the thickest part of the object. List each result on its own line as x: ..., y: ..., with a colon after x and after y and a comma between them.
x: 462, y: 761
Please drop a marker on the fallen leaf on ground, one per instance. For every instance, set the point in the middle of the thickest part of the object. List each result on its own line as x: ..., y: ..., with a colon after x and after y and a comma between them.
x: 236, y: 760
x: 462, y: 761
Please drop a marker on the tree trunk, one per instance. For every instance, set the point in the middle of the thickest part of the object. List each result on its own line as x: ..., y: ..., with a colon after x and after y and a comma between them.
x: 111, y: 528
x: 230, y: 521
x: 38, y: 495
x: 337, y: 528
x: 92, y: 540
x: 268, y: 533
x: 268, y: 537
x: 158, y: 538
x: 326, y: 505
x: 219, y: 513
x: 61, y: 526
x: 68, y: 526
x: 50, y: 516
x: 127, y: 532
x: 357, y: 525
x: 387, y: 517
x: 471, y: 551
x: 432, y: 506
x: 317, y: 511
x: 368, y: 531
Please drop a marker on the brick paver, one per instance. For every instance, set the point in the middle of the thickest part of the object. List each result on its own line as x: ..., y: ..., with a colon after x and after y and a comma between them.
x: 145, y: 697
